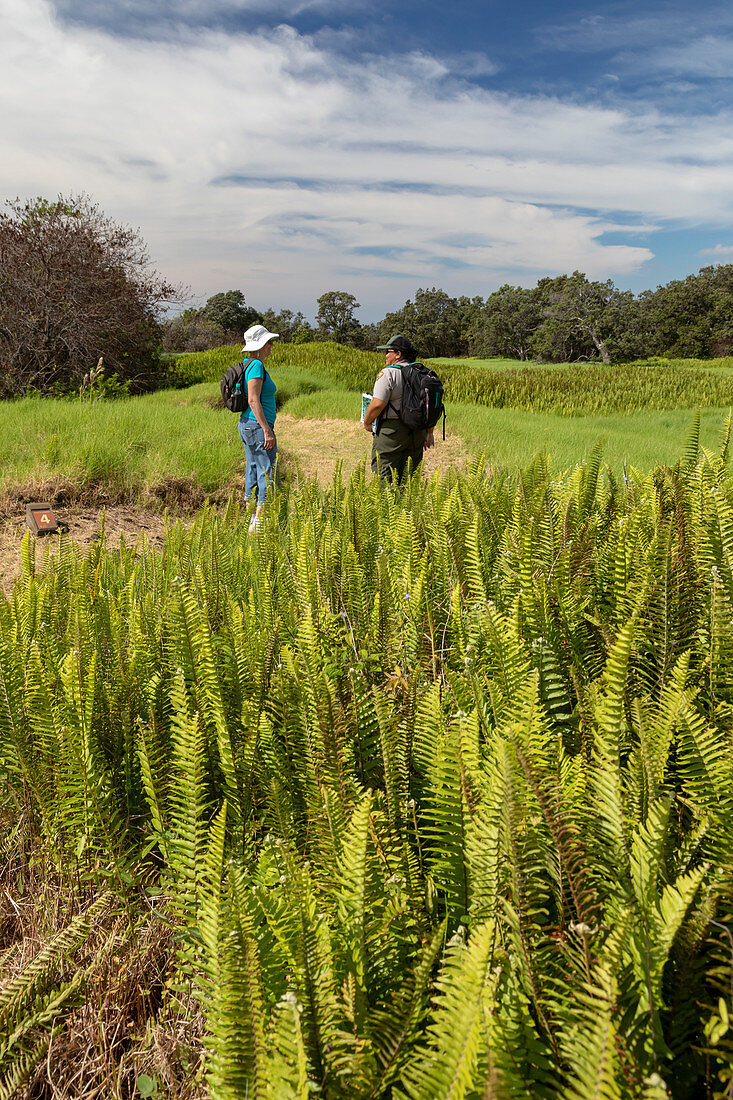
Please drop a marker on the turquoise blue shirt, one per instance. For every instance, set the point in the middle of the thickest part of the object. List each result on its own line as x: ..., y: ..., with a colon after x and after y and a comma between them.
x: 256, y: 369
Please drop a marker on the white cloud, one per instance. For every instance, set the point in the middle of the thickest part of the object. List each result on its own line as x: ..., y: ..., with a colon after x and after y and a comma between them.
x: 147, y: 127
x: 132, y: 15
x: 721, y: 251
x: 709, y: 56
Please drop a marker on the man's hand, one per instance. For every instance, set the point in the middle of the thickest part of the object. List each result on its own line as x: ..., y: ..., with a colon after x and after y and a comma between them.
x: 430, y: 439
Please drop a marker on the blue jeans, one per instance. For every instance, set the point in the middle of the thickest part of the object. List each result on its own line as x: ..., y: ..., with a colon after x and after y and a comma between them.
x: 260, y: 463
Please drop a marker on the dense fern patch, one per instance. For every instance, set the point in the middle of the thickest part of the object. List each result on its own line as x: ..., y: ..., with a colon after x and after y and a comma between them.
x: 430, y: 789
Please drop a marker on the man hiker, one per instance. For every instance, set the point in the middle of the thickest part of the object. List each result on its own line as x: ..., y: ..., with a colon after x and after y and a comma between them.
x: 394, y: 443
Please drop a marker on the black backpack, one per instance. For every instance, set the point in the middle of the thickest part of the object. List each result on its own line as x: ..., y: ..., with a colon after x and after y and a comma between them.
x: 422, y: 397
x: 234, y: 386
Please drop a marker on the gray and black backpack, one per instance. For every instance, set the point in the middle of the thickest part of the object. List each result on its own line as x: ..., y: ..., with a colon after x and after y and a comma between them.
x: 422, y: 397
x: 234, y: 386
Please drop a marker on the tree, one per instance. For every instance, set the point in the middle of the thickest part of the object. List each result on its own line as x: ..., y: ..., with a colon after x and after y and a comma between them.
x: 583, y: 319
x: 433, y: 322
x: 191, y: 331
x: 508, y: 323
x: 287, y: 325
x: 693, y: 316
x: 74, y: 286
x: 228, y: 310
x: 335, y: 317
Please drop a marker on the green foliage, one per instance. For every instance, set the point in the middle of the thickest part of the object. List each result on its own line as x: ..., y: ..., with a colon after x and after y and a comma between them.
x: 228, y: 310
x: 95, y: 386
x: 570, y: 318
x: 335, y: 317
x: 595, y: 388
x: 569, y: 391
x: 433, y: 784
x: 433, y: 321
x: 507, y: 323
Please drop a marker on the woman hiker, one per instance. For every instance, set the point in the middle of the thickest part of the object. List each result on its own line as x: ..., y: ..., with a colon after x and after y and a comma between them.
x: 257, y: 422
x: 394, y: 443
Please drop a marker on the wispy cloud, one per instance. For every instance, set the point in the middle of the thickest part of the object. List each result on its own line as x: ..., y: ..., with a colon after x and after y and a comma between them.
x: 262, y: 160
x: 719, y: 251
x: 710, y: 56
x: 631, y: 26
x: 141, y: 17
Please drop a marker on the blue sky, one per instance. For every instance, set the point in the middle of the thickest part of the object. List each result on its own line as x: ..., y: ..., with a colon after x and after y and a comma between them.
x: 294, y: 146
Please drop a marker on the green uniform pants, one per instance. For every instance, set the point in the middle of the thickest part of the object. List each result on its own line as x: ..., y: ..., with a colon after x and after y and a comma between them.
x: 393, y: 446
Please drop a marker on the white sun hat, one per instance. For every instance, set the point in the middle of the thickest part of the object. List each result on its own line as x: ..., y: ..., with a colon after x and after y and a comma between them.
x: 256, y: 338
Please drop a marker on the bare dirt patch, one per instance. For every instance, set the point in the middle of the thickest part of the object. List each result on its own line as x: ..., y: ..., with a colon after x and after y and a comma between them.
x: 83, y: 525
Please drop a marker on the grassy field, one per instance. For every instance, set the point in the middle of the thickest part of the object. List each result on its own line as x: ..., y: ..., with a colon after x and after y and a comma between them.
x: 489, y: 364
x: 137, y: 448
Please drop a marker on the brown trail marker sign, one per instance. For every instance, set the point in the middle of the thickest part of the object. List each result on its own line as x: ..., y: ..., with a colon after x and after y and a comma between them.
x: 40, y: 518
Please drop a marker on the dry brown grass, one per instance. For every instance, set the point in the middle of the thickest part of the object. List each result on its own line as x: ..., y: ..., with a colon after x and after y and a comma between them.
x: 317, y: 446
x: 172, y: 492
x: 123, y: 1020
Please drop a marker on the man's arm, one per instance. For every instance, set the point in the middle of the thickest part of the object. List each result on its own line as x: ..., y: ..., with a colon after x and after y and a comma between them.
x: 374, y: 408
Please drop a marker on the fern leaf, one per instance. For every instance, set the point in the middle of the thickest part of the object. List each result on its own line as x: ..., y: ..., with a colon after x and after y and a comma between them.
x: 447, y: 1069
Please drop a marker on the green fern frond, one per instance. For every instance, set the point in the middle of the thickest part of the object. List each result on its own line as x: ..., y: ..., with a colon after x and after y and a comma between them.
x: 589, y: 1046
x: 351, y: 894
x: 394, y: 1029
x: 237, y: 1041
x: 691, y: 445
x: 14, y: 1076
x: 447, y: 1069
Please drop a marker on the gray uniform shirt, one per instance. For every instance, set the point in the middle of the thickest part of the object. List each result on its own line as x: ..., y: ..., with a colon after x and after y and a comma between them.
x: 388, y: 387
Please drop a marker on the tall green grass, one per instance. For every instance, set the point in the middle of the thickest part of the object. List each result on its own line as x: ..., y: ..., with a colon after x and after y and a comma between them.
x: 498, y: 363
x: 596, y: 389
x: 347, y: 366
x: 128, y: 444
x: 132, y: 445
x: 572, y: 390
x: 511, y: 438
x: 642, y: 439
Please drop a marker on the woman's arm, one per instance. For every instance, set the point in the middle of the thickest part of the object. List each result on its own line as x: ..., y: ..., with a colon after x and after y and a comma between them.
x: 254, y: 391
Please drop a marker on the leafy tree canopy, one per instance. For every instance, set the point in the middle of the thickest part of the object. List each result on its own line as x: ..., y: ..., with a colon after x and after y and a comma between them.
x: 335, y: 317
x: 288, y: 325
x: 229, y: 311
x: 433, y: 321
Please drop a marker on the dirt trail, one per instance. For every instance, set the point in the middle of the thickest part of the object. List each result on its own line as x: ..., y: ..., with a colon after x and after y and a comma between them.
x: 316, y: 445
x: 319, y: 444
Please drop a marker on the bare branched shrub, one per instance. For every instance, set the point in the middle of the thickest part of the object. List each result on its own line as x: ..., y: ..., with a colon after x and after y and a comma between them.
x: 74, y: 285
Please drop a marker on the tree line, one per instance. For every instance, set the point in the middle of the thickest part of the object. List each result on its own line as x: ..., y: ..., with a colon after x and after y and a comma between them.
x: 75, y: 286
x: 563, y: 319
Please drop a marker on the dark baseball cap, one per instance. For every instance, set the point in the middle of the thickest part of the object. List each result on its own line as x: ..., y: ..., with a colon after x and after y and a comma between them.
x: 398, y: 343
